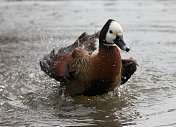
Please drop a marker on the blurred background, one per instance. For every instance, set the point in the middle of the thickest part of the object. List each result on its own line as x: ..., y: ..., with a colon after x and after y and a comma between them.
x: 30, y: 29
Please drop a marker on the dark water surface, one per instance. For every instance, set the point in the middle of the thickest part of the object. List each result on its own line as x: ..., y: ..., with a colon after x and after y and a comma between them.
x: 28, y: 30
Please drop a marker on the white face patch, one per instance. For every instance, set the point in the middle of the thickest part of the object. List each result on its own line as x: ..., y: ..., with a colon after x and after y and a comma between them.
x: 114, y: 30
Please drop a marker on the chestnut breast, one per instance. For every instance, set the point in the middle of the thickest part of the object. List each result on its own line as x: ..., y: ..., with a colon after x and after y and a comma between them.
x: 107, y: 64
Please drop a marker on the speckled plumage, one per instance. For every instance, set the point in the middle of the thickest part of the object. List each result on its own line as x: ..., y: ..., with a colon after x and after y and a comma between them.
x: 81, y: 73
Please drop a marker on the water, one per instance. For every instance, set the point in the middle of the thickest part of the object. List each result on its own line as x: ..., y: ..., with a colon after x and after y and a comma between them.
x: 28, y: 30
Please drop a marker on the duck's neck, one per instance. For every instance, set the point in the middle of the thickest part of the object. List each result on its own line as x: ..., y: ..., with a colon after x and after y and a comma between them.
x: 110, y: 52
x: 107, y: 63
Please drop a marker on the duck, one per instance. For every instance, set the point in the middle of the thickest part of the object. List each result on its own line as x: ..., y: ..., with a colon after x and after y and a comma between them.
x: 80, y: 72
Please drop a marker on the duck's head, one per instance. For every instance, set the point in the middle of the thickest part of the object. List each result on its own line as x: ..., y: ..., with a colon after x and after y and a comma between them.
x: 112, y: 34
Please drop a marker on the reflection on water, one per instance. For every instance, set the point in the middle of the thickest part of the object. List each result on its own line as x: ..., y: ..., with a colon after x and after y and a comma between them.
x: 31, y: 29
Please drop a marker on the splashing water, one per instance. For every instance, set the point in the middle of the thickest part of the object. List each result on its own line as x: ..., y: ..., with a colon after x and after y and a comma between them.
x: 29, y: 98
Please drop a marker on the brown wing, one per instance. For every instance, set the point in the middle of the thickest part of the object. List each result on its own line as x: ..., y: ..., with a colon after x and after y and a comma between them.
x: 129, y: 66
x: 57, y: 69
x: 56, y: 64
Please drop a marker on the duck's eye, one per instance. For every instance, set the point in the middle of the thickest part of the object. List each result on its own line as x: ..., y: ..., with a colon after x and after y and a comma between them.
x: 110, y: 31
